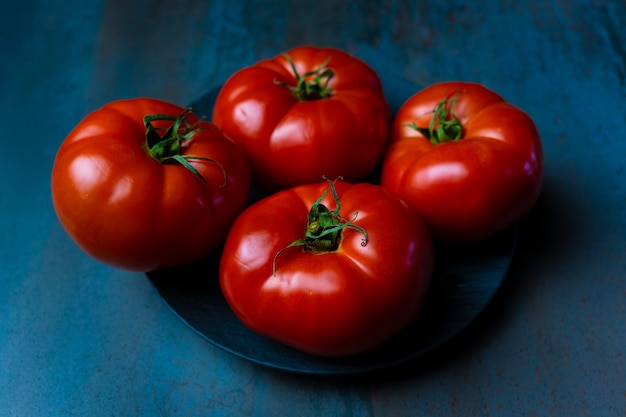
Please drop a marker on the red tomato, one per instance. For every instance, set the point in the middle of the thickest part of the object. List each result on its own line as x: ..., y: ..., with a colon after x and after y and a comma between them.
x: 332, y: 276
x: 471, y: 167
x: 305, y: 114
x: 148, y: 196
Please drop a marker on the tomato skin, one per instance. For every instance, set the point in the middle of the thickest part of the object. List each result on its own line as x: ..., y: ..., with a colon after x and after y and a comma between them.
x: 132, y: 212
x: 290, y: 142
x: 334, y: 303
x: 477, y: 186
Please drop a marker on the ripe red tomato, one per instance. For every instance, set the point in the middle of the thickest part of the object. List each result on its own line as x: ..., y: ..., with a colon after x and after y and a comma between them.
x: 470, y: 163
x: 144, y: 184
x: 305, y: 114
x: 332, y: 276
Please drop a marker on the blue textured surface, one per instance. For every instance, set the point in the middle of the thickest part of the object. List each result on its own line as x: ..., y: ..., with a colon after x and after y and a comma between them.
x: 78, y: 338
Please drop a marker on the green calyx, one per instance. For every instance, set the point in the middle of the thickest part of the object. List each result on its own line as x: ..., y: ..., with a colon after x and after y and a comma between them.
x: 444, y: 126
x: 312, y: 85
x: 164, y: 144
x: 324, y: 227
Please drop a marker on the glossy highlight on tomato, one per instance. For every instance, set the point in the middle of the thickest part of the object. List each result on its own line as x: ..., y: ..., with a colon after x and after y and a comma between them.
x: 329, y: 271
x: 144, y: 184
x: 467, y: 161
x: 306, y: 113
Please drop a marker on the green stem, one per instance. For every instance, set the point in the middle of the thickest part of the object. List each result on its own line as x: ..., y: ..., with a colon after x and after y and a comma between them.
x: 307, y: 88
x: 444, y: 126
x: 324, y: 227
x: 164, y: 144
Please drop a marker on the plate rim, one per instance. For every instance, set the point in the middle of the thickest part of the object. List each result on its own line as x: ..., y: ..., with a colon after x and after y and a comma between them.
x: 402, y: 90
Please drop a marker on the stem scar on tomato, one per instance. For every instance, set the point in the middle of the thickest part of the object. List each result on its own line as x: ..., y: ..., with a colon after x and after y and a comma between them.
x: 444, y: 126
x: 324, y: 227
x: 306, y: 89
x: 166, y: 148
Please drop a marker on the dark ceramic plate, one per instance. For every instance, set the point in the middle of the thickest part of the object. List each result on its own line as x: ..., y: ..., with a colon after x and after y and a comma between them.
x: 466, y: 278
